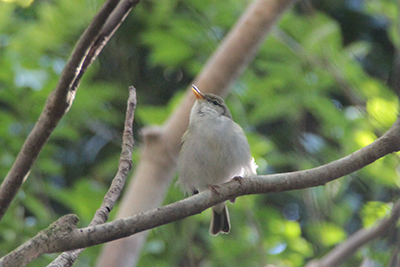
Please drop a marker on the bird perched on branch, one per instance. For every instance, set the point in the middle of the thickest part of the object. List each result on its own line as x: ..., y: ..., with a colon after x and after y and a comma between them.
x: 214, y: 150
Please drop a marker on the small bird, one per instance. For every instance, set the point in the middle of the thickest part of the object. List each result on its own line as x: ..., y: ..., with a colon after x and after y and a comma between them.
x: 214, y: 149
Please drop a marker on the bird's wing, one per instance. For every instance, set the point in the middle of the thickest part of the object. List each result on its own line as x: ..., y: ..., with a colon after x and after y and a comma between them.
x: 184, y: 136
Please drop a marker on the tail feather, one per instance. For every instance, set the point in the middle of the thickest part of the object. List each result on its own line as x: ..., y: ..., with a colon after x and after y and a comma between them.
x: 220, y: 221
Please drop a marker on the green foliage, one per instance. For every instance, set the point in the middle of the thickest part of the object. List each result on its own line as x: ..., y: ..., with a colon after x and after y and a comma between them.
x: 309, y: 97
x: 373, y: 211
x: 23, y: 3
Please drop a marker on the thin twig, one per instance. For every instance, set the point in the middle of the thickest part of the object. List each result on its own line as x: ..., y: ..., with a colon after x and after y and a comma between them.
x: 125, y: 164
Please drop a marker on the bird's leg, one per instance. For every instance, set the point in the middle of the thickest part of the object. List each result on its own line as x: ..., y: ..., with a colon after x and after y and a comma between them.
x: 194, y: 191
x: 239, y: 179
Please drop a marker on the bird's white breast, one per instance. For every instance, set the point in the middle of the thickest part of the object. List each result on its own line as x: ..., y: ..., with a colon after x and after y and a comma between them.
x: 215, y: 149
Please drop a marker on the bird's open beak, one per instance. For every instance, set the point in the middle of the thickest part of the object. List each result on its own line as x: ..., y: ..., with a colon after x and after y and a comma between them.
x: 197, y: 93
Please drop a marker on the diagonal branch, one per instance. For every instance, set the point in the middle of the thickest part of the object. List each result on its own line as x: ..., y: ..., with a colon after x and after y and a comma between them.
x: 92, y: 41
x: 343, y: 251
x: 35, y: 246
x: 74, y: 67
x: 90, y: 236
x: 57, y: 105
x: 114, y: 20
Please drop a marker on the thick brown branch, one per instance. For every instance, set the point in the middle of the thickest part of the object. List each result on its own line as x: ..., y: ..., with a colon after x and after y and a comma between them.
x: 95, y: 235
x: 74, y: 66
x: 35, y: 246
x: 114, y: 20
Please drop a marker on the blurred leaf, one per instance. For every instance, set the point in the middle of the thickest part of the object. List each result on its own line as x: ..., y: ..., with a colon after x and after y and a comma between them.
x: 84, y: 191
x: 23, y: 3
x: 374, y: 211
x: 292, y: 229
x: 383, y: 112
x: 152, y: 115
x: 331, y: 234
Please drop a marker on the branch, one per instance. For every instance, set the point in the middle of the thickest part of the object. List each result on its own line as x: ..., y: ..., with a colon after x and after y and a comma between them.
x: 114, y: 20
x: 94, y: 235
x: 35, y: 246
x: 343, y: 251
x: 113, y: 193
x: 57, y: 105
x: 92, y: 41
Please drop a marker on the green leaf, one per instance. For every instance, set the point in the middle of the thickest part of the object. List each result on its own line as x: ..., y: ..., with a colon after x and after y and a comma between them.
x: 373, y: 211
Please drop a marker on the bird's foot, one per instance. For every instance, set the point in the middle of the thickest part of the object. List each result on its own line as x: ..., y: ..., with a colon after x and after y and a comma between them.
x: 213, y: 188
x: 238, y: 178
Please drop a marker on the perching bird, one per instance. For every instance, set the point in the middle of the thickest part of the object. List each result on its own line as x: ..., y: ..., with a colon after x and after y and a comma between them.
x: 214, y: 150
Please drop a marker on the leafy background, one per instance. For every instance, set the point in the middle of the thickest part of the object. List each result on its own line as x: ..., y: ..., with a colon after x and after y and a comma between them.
x: 320, y: 88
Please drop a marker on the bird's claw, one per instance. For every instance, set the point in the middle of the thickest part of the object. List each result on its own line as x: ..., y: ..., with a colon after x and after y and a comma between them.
x: 238, y: 178
x: 213, y: 188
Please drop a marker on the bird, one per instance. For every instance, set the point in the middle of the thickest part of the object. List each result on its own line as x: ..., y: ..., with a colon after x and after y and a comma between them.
x: 214, y: 149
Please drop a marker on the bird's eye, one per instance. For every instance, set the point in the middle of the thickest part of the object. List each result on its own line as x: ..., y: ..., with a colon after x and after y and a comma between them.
x: 215, y: 102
